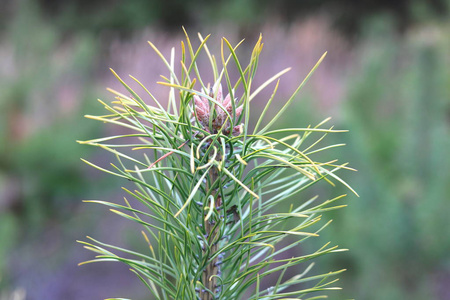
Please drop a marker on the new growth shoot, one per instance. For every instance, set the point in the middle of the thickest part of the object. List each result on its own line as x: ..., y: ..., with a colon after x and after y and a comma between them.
x: 213, y: 192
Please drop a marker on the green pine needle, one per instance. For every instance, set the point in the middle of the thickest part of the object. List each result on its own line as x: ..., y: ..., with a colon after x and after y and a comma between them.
x: 212, y: 192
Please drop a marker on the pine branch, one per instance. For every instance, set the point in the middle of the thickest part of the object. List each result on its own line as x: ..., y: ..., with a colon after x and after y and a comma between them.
x: 211, y: 191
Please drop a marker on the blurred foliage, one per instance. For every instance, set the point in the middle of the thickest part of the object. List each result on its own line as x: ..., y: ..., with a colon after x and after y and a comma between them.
x: 397, y: 112
x: 36, y: 112
x: 352, y: 15
x: 124, y: 16
x: 44, y: 89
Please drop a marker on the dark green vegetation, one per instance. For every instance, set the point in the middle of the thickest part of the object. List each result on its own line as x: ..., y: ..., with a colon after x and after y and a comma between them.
x: 123, y: 16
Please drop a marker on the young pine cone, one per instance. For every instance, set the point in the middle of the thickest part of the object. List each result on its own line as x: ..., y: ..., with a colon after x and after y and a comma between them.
x: 220, y: 119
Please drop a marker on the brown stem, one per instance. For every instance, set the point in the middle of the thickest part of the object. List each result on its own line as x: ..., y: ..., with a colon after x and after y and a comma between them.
x: 212, y: 230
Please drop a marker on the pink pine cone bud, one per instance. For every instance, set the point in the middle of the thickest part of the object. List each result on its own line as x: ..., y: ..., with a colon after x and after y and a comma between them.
x: 239, y: 111
x: 222, y: 108
x: 202, y: 110
x: 237, y: 130
x: 227, y: 103
x: 201, y: 103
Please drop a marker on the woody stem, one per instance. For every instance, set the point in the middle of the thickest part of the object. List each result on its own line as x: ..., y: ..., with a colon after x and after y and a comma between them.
x: 212, y: 229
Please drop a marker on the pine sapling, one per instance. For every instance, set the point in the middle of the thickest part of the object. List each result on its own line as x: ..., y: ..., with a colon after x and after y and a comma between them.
x: 213, y: 190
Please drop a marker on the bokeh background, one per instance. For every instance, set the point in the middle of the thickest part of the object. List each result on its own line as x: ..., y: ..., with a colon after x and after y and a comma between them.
x: 386, y: 78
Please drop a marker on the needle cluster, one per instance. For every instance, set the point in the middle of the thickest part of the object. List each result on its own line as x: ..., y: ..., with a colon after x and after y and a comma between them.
x: 222, y: 208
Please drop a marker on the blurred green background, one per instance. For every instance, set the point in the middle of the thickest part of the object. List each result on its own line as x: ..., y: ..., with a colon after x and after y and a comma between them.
x: 386, y: 78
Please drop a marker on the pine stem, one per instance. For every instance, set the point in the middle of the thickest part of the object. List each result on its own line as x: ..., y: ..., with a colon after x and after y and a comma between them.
x: 212, y: 229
